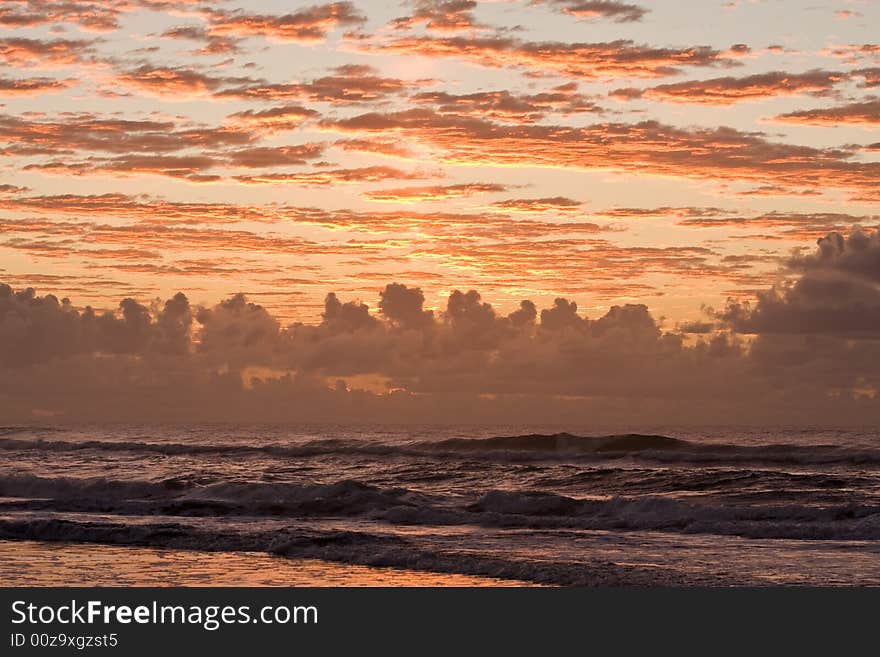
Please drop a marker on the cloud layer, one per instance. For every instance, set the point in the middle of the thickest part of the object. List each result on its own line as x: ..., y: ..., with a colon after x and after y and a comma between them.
x: 576, y: 162
x: 819, y: 332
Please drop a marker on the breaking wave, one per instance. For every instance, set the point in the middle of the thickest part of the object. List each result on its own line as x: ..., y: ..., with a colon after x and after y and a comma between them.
x: 183, y: 496
x: 563, y: 442
x: 349, y: 547
x: 400, y: 506
x: 532, y: 447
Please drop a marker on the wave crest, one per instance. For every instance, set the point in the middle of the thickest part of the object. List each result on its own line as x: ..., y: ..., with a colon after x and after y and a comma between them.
x: 531, y: 447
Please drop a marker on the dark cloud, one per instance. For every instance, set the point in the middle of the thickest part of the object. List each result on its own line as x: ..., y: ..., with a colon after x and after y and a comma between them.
x: 88, y: 132
x: 612, y: 59
x: 433, y: 192
x: 93, y: 15
x: 404, y: 306
x: 274, y: 119
x: 27, y: 52
x: 175, y: 80
x: 243, y: 332
x: 273, y: 156
x: 237, y: 359
x: 190, y: 167
x: 99, y: 16
x: 510, y: 107
x: 619, y: 12
x: 837, y: 293
x: 862, y: 113
x: 440, y: 15
x: 213, y: 44
x: 36, y: 329
x: 347, y: 317
x: 306, y: 25
x: 350, y: 83
x: 730, y: 90
x: 32, y: 86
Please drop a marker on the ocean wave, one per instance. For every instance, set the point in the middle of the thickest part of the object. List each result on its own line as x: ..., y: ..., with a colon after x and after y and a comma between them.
x: 656, y: 448
x: 492, y: 508
x: 310, y: 448
x: 180, y: 496
x: 532, y: 447
x: 653, y: 513
x: 562, y: 442
x: 349, y: 547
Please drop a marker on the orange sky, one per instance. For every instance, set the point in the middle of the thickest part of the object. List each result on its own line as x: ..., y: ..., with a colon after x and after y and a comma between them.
x: 602, y: 151
x: 532, y: 209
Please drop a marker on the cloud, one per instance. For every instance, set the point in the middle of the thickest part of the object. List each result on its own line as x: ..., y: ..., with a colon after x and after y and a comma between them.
x: 432, y: 193
x: 244, y: 331
x: 272, y: 120
x: 537, y: 205
x: 333, y: 176
x: 508, y: 107
x: 190, y: 167
x: 856, y: 255
x: 145, y: 142
x: 172, y: 82
x: 350, y: 83
x: 870, y: 77
x: 404, y: 306
x: 37, y: 329
x: 346, y: 317
x: 521, y: 151
x: 47, y: 53
x: 214, y: 44
x: 376, y: 146
x: 308, y: 25
x: 802, y: 226
x: 778, y: 190
x: 32, y: 86
x: 837, y: 293
x: 93, y: 15
x: 730, y: 90
x: 563, y: 315
x: 137, y: 208
x: 496, y: 251
x: 98, y: 16
x: 467, y: 355
x: 88, y: 132
x: 619, y: 12
x: 647, y: 147
x: 685, y: 212
x: 440, y: 15
x: 167, y: 214
x: 588, y: 61
x: 274, y: 156
x: 853, y: 53
x: 862, y: 113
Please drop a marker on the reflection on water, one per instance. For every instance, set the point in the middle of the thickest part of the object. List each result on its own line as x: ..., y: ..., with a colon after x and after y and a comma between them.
x: 31, y: 563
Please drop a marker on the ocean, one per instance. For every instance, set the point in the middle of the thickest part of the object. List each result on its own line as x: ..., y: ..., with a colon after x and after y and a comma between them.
x: 427, y: 505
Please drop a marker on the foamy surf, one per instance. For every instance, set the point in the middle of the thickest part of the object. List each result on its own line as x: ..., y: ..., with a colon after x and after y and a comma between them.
x: 525, y: 506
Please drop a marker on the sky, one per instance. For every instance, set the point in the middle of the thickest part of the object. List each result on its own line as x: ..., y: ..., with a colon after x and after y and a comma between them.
x: 509, y: 199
